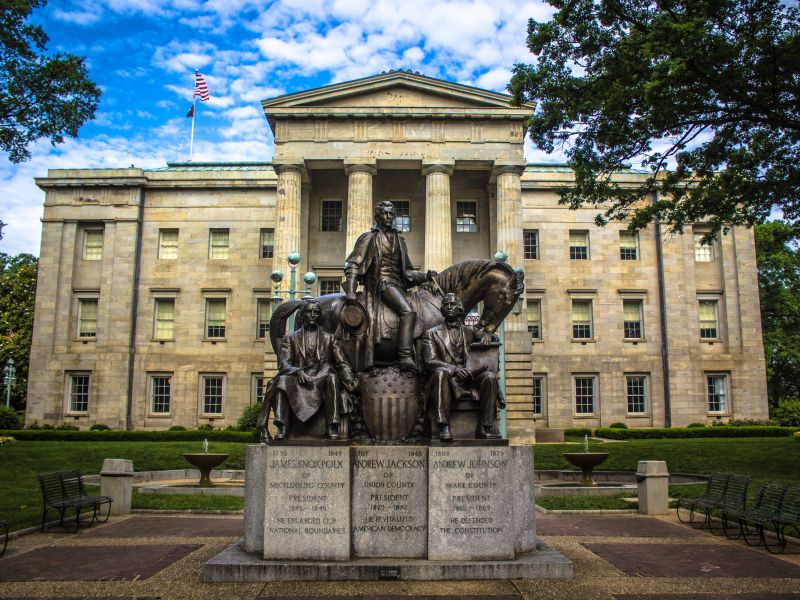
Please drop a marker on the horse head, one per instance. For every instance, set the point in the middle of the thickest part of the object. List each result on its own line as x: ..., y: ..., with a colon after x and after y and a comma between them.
x: 495, y: 284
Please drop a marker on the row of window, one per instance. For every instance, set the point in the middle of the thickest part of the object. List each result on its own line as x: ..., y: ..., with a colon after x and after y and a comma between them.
x: 628, y: 245
x: 585, y: 393
x: 632, y: 319
x: 164, y: 318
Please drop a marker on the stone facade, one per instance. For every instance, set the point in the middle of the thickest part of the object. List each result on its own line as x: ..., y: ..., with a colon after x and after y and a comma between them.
x: 147, y: 311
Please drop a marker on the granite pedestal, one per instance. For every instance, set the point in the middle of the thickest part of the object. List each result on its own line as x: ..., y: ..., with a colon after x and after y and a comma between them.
x: 388, y: 512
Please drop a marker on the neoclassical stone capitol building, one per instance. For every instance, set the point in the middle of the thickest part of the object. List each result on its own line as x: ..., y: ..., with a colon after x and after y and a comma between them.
x: 154, y: 285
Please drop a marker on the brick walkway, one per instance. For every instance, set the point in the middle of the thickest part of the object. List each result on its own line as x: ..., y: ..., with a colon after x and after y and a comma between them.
x: 616, y: 557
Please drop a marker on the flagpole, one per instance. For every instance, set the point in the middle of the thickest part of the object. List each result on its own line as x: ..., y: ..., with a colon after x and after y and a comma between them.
x: 191, y: 138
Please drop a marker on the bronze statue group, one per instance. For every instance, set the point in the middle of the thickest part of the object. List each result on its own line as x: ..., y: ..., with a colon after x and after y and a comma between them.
x: 317, y: 370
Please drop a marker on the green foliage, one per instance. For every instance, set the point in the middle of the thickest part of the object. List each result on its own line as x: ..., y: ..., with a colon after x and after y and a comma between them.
x: 249, y: 417
x: 788, y: 413
x: 613, y: 502
x: 206, y: 427
x: 119, y: 435
x: 99, y: 427
x: 693, y: 432
x: 9, y: 419
x: 17, y: 296
x: 779, y: 289
x: 618, y: 425
x: 751, y: 423
x: 185, y: 502
x: 711, y: 85
x: 41, y: 96
x: 578, y: 431
x: 695, y: 425
x: 177, y: 428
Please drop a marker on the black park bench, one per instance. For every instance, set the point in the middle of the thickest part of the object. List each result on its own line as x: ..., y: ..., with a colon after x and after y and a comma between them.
x: 63, y: 491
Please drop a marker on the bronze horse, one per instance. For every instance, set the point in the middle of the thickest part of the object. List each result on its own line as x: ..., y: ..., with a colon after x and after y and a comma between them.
x: 495, y: 284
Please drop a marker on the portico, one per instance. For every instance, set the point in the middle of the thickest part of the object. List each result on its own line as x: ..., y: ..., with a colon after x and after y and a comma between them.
x: 449, y: 156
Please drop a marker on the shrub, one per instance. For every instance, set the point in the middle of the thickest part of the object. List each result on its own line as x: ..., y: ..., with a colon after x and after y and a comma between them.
x: 797, y: 435
x: 121, y: 435
x: 752, y: 423
x: 206, y: 427
x: 6, y: 440
x: 177, y: 428
x: 9, y: 419
x: 99, y: 427
x: 788, y: 413
x: 67, y: 427
x: 249, y: 417
x: 695, y: 425
x: 579, y: 431
x: 694, y: 432
x: 618, y: 425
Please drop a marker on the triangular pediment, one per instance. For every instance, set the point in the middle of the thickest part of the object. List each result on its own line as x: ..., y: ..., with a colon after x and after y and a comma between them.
x: 397, y: 89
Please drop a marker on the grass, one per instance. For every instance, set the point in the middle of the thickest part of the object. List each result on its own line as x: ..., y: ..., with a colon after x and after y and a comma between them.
x: 20, y: 498
x: 614, y: 502
x: 765, y: 459
x: 186, y: 502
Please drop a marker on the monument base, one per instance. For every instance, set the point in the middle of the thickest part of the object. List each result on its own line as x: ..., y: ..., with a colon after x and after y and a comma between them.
x: 234, y: 565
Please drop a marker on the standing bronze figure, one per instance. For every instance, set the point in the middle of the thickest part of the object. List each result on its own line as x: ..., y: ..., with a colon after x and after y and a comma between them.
x: 445, y: 350
x: 311, y: 373
x: 379, y: 262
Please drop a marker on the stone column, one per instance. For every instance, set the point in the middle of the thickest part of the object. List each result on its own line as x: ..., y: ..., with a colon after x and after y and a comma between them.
x: 438, y: 220
x: 359, y: 201
x: 509, y: 225
x: 287, y: 214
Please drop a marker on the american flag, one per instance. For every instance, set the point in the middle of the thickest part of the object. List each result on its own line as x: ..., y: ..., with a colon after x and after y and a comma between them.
x: 200, y: 87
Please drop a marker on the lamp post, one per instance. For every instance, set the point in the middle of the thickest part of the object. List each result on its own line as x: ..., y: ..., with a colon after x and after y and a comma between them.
x: 502, y: 257
x: 277, y: 277
x: 10, y: 376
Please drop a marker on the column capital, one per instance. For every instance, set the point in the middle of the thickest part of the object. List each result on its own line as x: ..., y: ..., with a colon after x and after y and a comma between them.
x: 288, y: 167
x: 360, y: 166
x: 503, y: 167
x: 440, y: 167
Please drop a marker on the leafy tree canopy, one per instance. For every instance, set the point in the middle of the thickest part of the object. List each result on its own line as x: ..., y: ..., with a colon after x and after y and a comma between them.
x: 709, y: 85
x: 17, y: 298
x: 41, y: 96
x: 779, y: 287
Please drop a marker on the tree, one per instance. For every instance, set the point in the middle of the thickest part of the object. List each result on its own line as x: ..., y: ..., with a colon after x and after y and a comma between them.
x: 41, y: 96
x: 779, y: 288
x: 17, y: 296
x: 710, y: 86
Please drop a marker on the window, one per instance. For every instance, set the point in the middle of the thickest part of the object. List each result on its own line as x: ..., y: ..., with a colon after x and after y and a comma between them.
x: 534, y: 319
x: 708, y: 320
x: 579, y: 245
x: 93, y: 244
x: 267, y: 243
x: 213, y: 389
x: 264, y: 310
x: 717, y: 393
x: 632, y: 319
x: 219, y: 241
x: 160, y: 394
x: 703, y: 252
x: 78, y: 393
x: 329, y: 285
x: 538, y: 395
x: 165, y: 318
x: 636, y: 392
x: 402, y: 216
x: 466, y: 216
x: 257, y: 391
x: 87, y: 318
x: 167, y: 244
x: 331, y: 214
x: 530, y: 244
x: 582, y: 319
x: 215, y: 318
x: 628, y: 245
x: 584, y: 395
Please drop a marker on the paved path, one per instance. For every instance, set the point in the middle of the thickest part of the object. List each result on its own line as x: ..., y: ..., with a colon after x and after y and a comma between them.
x: 617, y: 557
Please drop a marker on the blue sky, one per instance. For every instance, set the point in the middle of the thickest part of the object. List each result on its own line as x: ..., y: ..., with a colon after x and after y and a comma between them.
x: 143, y: 53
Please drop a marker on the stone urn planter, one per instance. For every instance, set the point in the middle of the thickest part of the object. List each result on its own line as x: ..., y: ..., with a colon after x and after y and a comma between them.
x: 205, y: 462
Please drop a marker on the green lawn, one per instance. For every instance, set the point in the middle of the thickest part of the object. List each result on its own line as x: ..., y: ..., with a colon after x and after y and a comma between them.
x: 772, y: 459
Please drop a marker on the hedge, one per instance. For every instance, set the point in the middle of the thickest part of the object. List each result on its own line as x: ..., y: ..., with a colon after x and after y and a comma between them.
x: 118, y: 435
x: 694, y: 432
x: 581, y: 431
